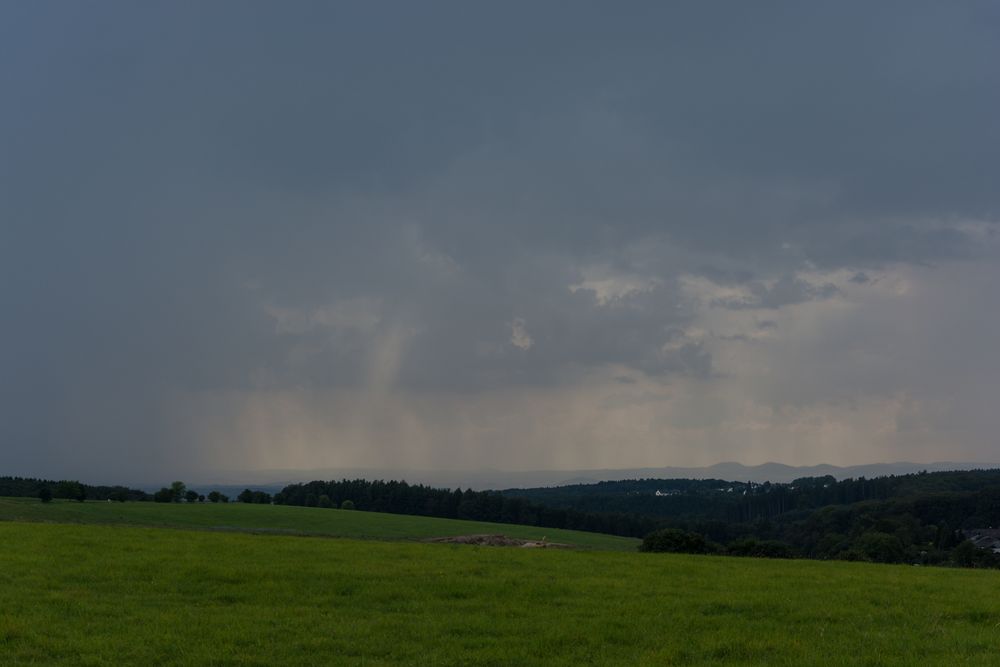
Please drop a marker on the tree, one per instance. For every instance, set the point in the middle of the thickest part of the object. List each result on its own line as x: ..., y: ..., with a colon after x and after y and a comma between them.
x: 946, y: 537
x: 201, y: 498
x: 881, y: 547
x: 214, y: 497
x: 261, y: 498
x: 347, y: 505
x: 45, y: 494
x: 178, y: 489
x: 71, y: 490
x: 191, y: 496
x: 964, y: 554
x: 164, y: 495
x: 246, y: 496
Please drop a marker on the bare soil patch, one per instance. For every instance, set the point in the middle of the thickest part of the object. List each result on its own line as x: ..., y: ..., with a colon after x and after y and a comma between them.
x: 500, y: 541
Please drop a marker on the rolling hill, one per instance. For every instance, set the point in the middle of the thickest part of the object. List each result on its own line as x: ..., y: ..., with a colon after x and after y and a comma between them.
x: 289, y: 520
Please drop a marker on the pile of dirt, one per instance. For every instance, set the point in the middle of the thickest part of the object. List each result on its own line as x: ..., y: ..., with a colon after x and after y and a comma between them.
x: 500, y: 541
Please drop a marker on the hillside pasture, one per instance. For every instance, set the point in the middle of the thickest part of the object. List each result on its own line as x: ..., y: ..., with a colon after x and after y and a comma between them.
x: 289, y: 520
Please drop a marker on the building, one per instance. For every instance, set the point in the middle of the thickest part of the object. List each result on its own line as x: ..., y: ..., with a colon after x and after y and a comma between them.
x: 984, y: 538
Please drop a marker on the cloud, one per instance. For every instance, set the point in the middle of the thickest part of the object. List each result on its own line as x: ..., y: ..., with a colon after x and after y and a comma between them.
x: 785, y: 291
x: 519, y: 337
x: 355, y: 226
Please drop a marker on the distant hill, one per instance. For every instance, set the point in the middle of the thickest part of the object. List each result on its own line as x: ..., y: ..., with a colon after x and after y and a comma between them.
x: 505, y: 479
x: 735, y: 500
x: 922, y: 518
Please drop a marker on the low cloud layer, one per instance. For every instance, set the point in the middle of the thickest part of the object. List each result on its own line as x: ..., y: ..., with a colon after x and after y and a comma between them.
x: 246, y: 235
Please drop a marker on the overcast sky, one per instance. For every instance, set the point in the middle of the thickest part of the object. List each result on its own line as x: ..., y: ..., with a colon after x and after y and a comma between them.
x: 520, y: 235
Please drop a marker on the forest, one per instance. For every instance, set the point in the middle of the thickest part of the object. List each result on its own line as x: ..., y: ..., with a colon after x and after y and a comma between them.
x: 919, y: 518
x: 67, y: 489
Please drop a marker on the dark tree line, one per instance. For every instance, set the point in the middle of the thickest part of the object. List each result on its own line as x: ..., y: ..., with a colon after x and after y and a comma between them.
x: 922, y: 530
x: 736, y: 502
x: 255, y: 497
x: 175, y: 493
x: 28, y: 487
x: 178, y: 492
x: 402, y: 498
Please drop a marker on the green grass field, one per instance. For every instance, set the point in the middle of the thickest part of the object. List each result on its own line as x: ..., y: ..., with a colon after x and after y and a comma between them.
x: 286, y: 519
x: 118, y: 594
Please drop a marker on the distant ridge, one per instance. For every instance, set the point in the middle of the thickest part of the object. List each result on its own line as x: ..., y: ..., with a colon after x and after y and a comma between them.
x: 501, y: 479
x: 766, y: 472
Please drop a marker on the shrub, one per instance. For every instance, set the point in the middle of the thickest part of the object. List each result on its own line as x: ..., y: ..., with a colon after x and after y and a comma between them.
x: 881, y: 547
x: 674, y: 540
x: 760, y: 548
x: 347, y: 505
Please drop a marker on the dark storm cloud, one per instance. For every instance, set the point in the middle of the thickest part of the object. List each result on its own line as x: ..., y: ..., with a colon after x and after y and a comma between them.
x: 251, y: 196
x: 788, y: 290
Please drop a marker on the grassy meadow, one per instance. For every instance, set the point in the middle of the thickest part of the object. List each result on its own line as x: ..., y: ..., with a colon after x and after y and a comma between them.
x: 110, y: 593
x: 289, y: 520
